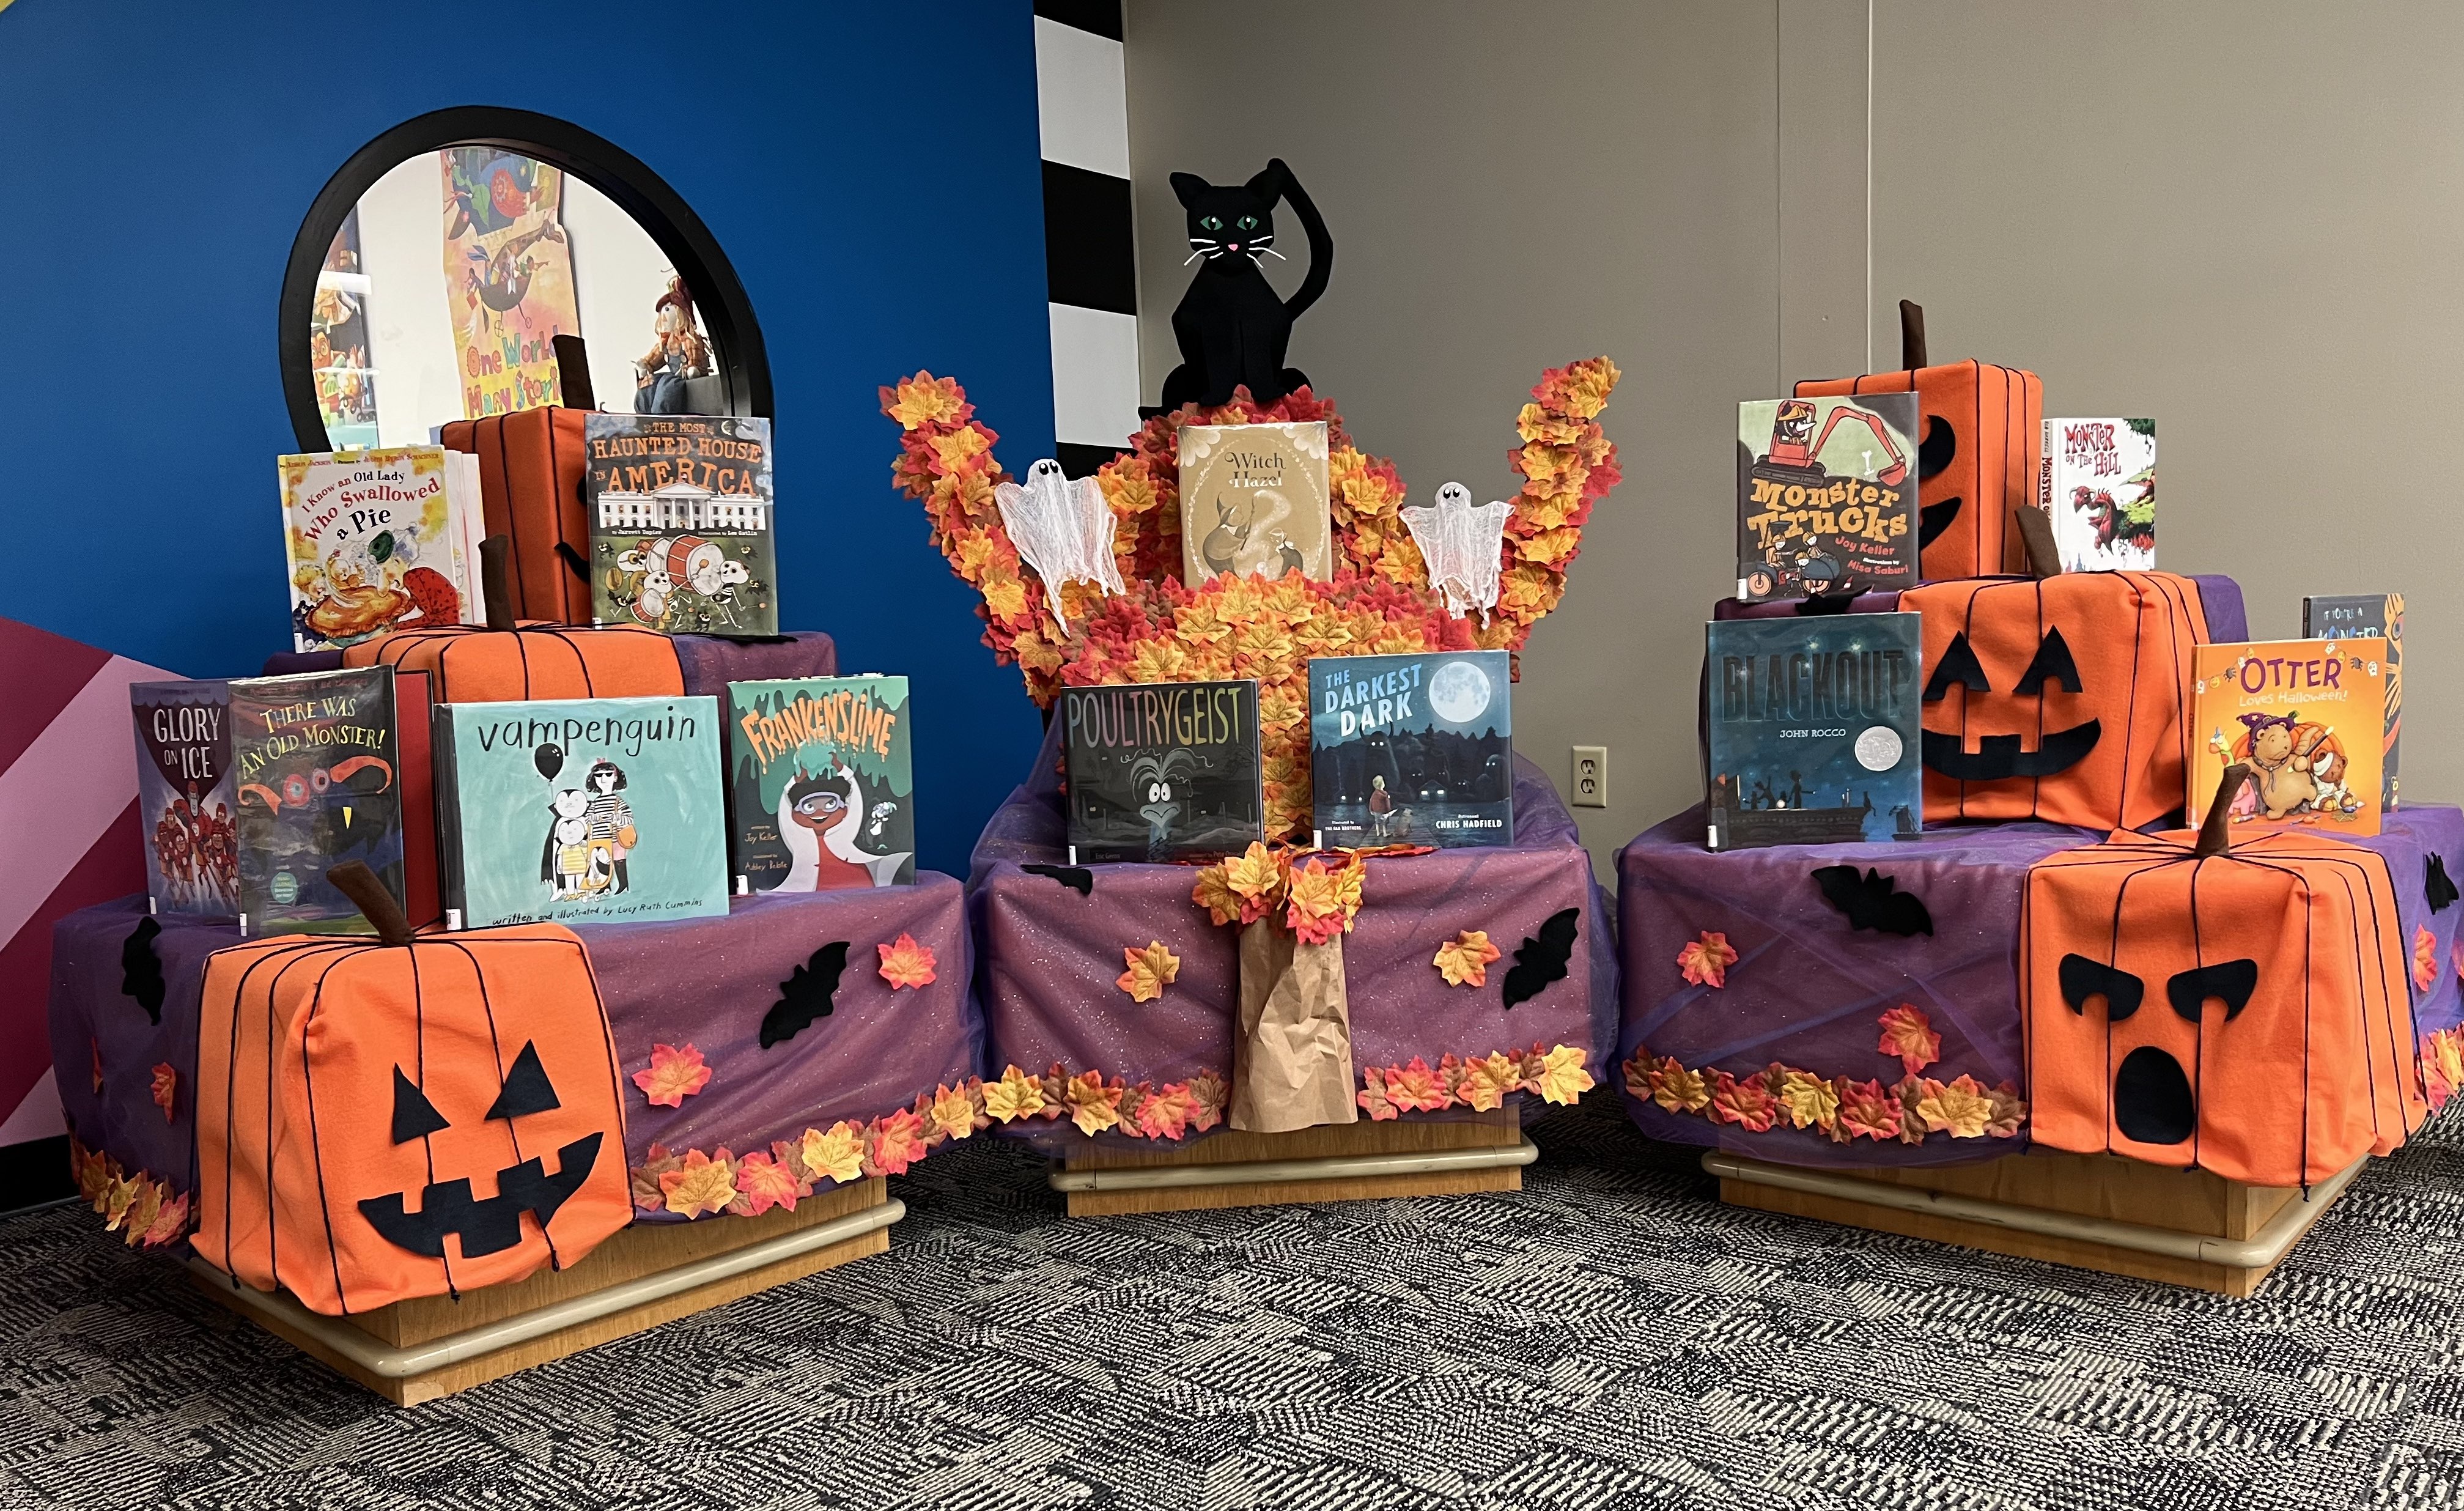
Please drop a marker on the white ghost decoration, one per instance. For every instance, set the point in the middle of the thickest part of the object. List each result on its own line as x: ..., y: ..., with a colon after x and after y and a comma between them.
x: 1064, y: 530
x: 1463, y: 544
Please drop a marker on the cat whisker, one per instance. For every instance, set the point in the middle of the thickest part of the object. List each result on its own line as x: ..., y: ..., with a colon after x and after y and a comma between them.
x: 1193, y: 256
x: 1273, y: 253
x: 1201, y: 242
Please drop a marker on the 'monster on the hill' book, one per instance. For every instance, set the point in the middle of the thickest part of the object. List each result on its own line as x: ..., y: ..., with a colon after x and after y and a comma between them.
x: 1826, y: 496
x: 1812, y: 730
x: 1161, y: 770
x: 2305, y: 716
x: 2356, y: 617
x: 185, y: 802
x: 825, y: 794
x: 316, y: 766
x: 1412, y: 749
x: 2098, y: 480
x: 680, y: 527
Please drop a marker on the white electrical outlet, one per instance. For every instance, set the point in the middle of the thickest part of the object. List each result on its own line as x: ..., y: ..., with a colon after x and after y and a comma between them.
x: 1591, y: 776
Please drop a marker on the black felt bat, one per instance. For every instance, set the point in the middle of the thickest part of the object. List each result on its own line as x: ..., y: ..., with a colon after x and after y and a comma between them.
x: 1825, y: 603
x: 1541, y: 958
x: 806, y: 994
x: 1871, y: 901
x: 1077, y: 878
x: 2442, y: 892
x: 140, y: 970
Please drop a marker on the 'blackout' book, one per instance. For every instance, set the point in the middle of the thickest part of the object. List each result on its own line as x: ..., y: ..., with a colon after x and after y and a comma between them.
x: 680, y: 523
x: 186, y: 801
x: 824, y: 794
x: 317, y: 768
x: 580, y: 810
x: 1826, y: 496
x: 2351, y: 616
x: 1162, y: 771
x: 2098, y: 480
x: 2305, y: 717
x: 1812, y: 730
x: 1412, y: 749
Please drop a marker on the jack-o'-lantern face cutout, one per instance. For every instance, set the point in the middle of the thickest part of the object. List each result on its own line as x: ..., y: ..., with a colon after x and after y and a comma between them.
x: 1998, y: 757
x: 2154, y: 1101
x: 1981, y: 430
x: 446, y: 1207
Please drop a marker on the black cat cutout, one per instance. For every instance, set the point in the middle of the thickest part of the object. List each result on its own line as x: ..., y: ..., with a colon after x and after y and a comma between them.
x: 140, y: 970
x: 1940, y: 445
x: 2442, y: 892
x: 1077, y: 878
x: 1232, y: 327
x: 1541, y: 958
x: 807, y: 994
x: 1873, y: 900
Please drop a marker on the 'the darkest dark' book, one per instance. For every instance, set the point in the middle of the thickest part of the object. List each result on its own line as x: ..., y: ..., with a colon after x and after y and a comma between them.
x: 1162, y: 771
x: 1415, y: 748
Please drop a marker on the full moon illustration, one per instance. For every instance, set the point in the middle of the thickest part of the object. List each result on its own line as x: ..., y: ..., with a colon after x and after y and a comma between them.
x: 1458, y: 693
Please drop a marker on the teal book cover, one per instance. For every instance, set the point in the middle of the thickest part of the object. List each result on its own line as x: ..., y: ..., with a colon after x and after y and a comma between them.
x: 586, y: 811
x: 824, y: 792
x: 1412, y: 749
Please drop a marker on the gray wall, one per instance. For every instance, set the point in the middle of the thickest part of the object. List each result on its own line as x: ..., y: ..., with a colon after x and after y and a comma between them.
x: 2242, y: 218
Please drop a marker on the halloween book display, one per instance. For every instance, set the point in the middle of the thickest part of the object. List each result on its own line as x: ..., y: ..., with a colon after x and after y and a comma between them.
x: 822, y: 787
x: 2098, y: 481
x: 316, y: 765
x: 1161, y: 772
x: 1826, y: 497
x: 187, y: 802
x: 1812, y: 730
x: 680, y: 523
x: 2349, y: 616
x: 2306, y: 718
x: 1253, y: 501
x: 1412, y: 749
x: 380, y: 540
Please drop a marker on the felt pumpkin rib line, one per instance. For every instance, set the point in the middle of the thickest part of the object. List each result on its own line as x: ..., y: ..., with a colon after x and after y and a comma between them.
x: 567, y: 1179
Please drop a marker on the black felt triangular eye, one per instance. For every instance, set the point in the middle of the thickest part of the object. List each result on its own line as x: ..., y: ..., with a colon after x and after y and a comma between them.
x: 1933, y: 518
x: 806, y: 994
x: 1541, y: 958
x: 526, y: 1088
x: 2230, y: 982
x: 1077, y: 878
x: 140, y: 970
x: 415, y: 1116
x: 1872, y: 900
x: 2052, y: 663
x: 1940, y: 445
x: 2434, y: 883
x: 1958, y: 664
x: 2083, y: 978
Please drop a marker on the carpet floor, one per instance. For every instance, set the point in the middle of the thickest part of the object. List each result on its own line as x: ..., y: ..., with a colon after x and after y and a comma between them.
x: 1610, y: 1337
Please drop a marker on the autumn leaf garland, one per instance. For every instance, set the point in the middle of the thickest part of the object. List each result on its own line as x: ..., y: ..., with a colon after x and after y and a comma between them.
x: 147, y: 1212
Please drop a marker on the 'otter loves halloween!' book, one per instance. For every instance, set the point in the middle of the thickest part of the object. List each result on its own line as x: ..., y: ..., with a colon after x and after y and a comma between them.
x: 680, y: 523
x: 824, y: 797
x: 381, y: 540
x: 2306, y: 717
x: 1161, y: 770
x: 316, y: 765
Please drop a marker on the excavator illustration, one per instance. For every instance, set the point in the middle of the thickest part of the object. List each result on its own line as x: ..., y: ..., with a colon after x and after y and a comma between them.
x: 1795, y: 450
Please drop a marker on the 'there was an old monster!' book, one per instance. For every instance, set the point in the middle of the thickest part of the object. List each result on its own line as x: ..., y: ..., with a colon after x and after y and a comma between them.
x: 823, y: 786
x: 1826, y: 496
x: 680, y: 523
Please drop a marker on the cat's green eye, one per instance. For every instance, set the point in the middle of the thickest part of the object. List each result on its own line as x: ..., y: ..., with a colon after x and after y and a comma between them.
x: 1210, y: 223
x: 1248, y: 222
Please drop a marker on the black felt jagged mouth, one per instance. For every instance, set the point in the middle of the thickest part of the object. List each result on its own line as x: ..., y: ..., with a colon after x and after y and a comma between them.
x: 489, y: 1224
x: 1998, y: 757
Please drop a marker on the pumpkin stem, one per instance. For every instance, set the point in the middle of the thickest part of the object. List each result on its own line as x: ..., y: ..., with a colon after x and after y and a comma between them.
x: 355, y: 880
x: 1912, y: 342
x: 2036, y: 533
x: 497, y: 579
x: 2215, y: 837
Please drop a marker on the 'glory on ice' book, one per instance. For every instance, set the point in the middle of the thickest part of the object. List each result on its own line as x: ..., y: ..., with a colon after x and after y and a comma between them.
x: 185, y: 803
x: 1412, y: 749
x: 680, y: 522
x: 1162, y: 771
x: 825, y: 792
x: 1812, y: 730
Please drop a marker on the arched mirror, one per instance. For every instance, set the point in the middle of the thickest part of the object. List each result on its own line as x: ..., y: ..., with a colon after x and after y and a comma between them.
x: 436, y: 271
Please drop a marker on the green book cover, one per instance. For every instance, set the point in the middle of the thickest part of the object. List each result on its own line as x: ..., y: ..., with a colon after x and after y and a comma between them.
x: 680, y: 523
x: 824, y: 793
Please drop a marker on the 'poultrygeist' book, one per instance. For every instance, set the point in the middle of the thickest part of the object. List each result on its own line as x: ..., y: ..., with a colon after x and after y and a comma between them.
x: 185, y: 800
x: 2305, y: 716
x: 1254, y: 501
x: 680, y: 523
x: 1826, y: 496
x: 2351, y: 616
x: 580, y: 810
x: 1812, y: 730
x: 825, y: 796
x: 380, y: 541
x: 1412, y: 749
x: 316, y: 766
x: 2098, y: 480
x: 1161, y: 770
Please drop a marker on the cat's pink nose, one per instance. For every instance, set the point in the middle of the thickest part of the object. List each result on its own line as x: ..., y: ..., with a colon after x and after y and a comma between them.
x: 1236, y: 246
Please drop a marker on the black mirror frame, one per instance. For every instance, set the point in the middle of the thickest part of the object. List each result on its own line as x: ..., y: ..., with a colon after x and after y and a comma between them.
x: 718, y: 295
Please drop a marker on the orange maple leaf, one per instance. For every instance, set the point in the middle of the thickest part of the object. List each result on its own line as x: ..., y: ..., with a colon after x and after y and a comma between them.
x: 1151, y: 970
x: 1417, y: 1088
x: 1962, y: 1108
x: 763, y: 1183
x: 142, y: 1210
x: 97, y: 1066
x: 1677, y: 1089
x: 1209, y: 1095
x: 647, y: 1196
x: 1324, y: 898
x: 2010, y: 1111
x: 1165, y: 1115
x: 1093, y: 1105
x: 838, y: 1154
x: 1909, y: 1034
x: 893, y: 1143
x: 2424, y: 959
x: 1372, y: 1098
x: 1706, y: 961
x: 1464, y: 960
x: 1487, y: 1082
x: 1747, y: 1104
x: 904, y: 963
x: 1562, y: 1079
x: 1214, y: 893
x: 166, y: 1089
x: 956, y: 1112
x: 119, y: 1197
x: 700, y: 1185
x: 170, y: 1222
x: 1867, y: 1110
x: 1256, y: 876
x: 1809, y: 1100
x: 1016, y: 1095
x: 674, y: 1074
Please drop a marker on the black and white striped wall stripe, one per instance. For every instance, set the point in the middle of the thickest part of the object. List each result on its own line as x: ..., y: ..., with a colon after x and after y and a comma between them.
x: 1089, y: 250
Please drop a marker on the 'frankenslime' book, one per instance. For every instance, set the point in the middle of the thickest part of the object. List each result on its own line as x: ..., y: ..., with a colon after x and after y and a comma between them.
x: 1811, y: 725
x: 825, y: 796
x: 1412, y: 749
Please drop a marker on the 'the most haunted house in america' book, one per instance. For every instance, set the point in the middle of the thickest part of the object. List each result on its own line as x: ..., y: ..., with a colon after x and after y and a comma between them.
x: 680, y: 523
x: 1812, y: 727
x: 1162, y: 771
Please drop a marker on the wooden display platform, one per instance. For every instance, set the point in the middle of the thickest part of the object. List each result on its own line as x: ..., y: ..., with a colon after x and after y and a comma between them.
x: 648, y: 1274
x: 2096, y: 1212
x: 1339, y: 1162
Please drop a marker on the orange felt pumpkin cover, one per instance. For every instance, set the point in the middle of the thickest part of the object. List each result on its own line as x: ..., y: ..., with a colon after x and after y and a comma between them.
x: 532, y: 489
x: 2244, y: 1009
x: 384, y: 1118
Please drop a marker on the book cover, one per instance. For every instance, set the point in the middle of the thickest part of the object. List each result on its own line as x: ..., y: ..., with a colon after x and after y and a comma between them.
x: 380, y: 541
x: 2305, y: 716
x: 2098, y: 480
x: 1412, y: 749
x: 1254, y: 501
x: 1826, y: 496
x: 316, y: 766
x: 824, y: 793
x: 1812, y: 730
x: 1162, y: 771
x: 186, y: 797
x: 680, y: 523
x: 2362, y: 616
x: 580, y: 810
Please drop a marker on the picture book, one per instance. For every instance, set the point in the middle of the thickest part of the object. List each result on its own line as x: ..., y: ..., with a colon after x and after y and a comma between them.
x: 1412, y: 749
x: 2098, y: 480
x: 184, y: 798
x: 580, y: 810
x: 1254, y: 501
x: 823, y: 795
x: 381, y: 540
x: 1826, y: 496
x: 1812, y: 730
x: 2356, y: 617
x: 2305, y: 716
x: 1162, y: 771
x: 680, y: 523
x: 317, y: 768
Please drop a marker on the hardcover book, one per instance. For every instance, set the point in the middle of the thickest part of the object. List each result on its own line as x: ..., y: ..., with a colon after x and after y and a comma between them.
x: 2306, y: 717
x: 1254, y: 501
x: 1412, y: 749
x: 823, y: 795
x: 381, y: 540
x: 2098, y: 480
x: 2353, y: 616
x: 1162, y: 771
x: 580, y: 810
x: 1812, y: 730
x: 1826, y: 496
x: 680, y: 523
x: 186, y: 798
x: 316, y: 766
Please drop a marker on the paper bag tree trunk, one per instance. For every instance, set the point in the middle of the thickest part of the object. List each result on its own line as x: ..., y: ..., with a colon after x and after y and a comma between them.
x: 1292, y: 1061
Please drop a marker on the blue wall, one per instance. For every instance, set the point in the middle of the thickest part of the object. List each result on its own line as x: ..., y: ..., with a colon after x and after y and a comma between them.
x: 870, y: 171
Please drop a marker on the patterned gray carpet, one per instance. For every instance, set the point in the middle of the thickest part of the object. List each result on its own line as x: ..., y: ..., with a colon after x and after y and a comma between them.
x: 1610, y: 1337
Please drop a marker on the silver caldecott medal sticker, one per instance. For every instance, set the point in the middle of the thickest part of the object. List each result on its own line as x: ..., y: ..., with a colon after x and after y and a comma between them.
x: 1064, y: 530
x: 1463, y: 543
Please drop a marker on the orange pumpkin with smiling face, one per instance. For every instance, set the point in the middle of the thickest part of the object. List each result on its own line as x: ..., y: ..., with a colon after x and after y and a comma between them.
x: 1981, y: 433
